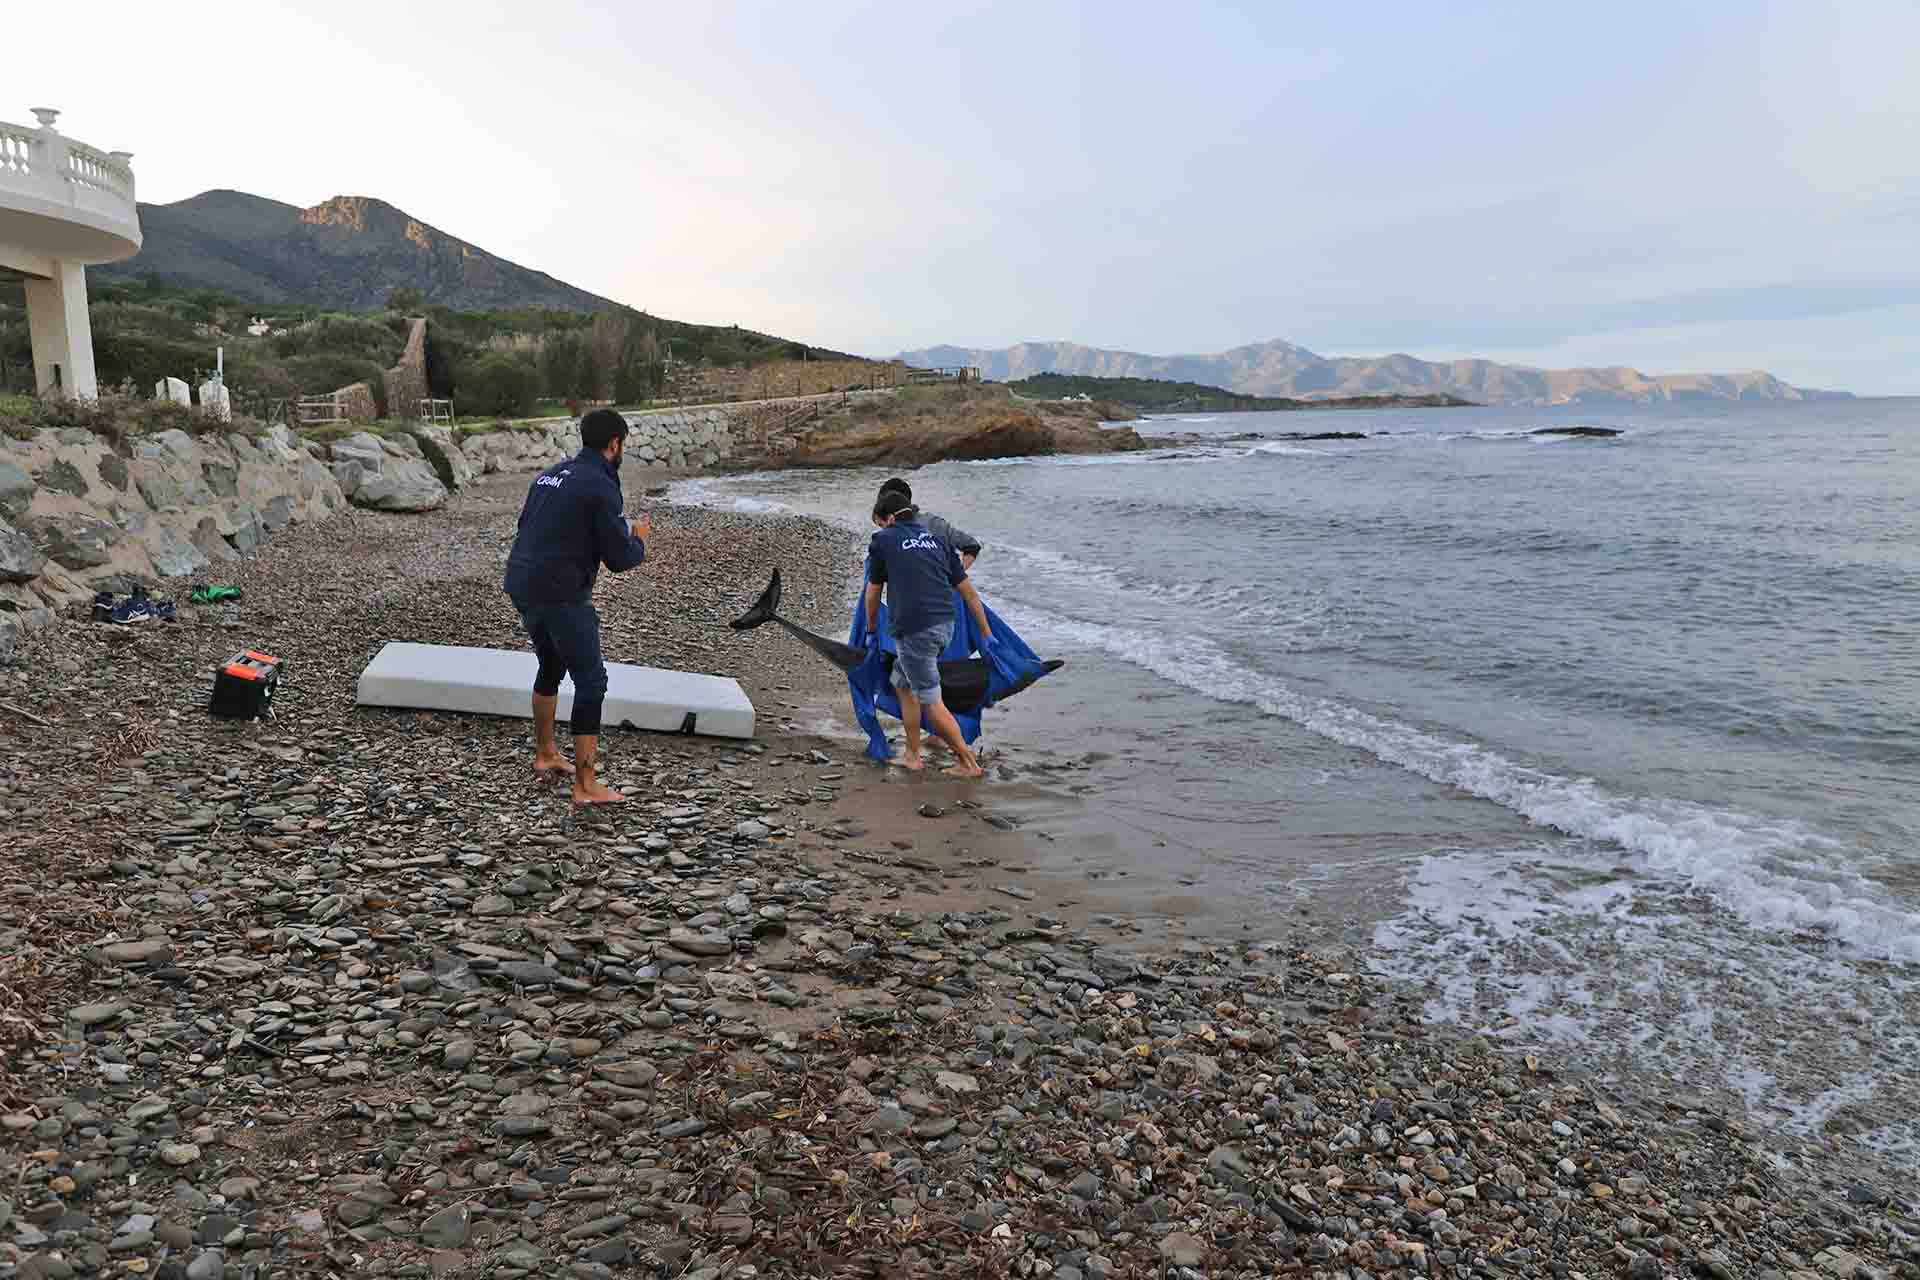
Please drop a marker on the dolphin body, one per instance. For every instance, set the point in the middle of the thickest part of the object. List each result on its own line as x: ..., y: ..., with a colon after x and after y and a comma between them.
x: 965, y: 683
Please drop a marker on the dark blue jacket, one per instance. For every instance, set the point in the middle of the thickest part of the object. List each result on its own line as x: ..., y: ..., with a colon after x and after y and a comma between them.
x: 919, y: 572
x: 573, y: 522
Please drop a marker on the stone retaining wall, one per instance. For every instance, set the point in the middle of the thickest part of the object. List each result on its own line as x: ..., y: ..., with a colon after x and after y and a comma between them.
x: 680, y: 438
x: 76, y: 511
x: 664, y: 439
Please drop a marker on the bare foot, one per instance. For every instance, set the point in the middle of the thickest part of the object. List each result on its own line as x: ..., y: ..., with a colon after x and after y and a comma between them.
x: 911, y: 763
x: 552, y: 768
x: 598, y: 793
x: 964, y: 770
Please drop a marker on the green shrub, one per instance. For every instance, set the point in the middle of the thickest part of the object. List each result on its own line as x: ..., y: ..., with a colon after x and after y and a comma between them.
x: 498, y: 382
x: 113, y: 417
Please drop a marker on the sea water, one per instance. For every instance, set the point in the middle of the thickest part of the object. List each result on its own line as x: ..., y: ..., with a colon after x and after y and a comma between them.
x: 1613, y: 741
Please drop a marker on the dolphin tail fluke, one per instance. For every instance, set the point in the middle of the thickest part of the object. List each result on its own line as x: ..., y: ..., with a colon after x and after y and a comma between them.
x: 765, y: 609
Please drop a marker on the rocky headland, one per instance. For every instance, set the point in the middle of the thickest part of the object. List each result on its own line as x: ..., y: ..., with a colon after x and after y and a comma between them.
x: 923, y: 425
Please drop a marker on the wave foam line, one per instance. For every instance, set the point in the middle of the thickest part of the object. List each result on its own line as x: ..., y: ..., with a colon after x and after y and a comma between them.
x: 1721, y: 852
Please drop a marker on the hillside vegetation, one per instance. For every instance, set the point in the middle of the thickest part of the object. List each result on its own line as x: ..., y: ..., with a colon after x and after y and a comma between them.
x: 487, y: 362
x: 346, y: 254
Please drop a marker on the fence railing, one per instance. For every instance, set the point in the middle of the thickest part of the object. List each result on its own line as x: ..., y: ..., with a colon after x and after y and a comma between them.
x: 946, y: 373
x: 318, y: 410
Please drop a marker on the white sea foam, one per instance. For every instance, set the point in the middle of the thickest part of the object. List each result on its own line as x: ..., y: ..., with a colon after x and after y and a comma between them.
x: 1141, y: 458
x: 709, y: 493
x: 1291, y: 449
x: 1535, y: 950
x: 1300, y: 622
x: 1773, y: 874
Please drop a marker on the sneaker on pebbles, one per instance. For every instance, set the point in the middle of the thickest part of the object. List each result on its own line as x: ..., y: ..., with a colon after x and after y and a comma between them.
x: 133, y: 609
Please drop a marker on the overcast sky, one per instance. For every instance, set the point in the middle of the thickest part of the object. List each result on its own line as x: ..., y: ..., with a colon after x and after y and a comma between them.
x: 1674, y: 186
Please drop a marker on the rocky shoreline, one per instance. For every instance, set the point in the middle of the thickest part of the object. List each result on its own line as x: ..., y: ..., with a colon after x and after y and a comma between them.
x: 347, y: 994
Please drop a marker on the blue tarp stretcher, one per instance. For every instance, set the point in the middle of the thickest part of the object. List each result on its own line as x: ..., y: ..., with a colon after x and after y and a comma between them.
x: 1010, y: 667
x: 968, y: 684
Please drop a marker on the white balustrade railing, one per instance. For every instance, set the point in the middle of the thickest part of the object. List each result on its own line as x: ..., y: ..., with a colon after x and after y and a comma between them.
x: 91, y: 168
x: 41, y: 163
x: 16, y: 150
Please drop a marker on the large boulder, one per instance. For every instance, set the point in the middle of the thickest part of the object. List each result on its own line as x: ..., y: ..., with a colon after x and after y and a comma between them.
x: 437, y: 445
x: 62, y: 476
x: 206, y: 536
x: 390, y: 474
x: 362, y: 447
x: 174, y: 555
x: 157, y: 488
x: 400, y: 488
x: 78, y: 542
x: 20, y: 560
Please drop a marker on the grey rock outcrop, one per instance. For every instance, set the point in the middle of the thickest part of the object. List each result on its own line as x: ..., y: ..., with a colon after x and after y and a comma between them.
x: 75, y: 541
x: 77, y: 510
x: 157, y: 506
x: 20, y: 560
x: 449, y: 461
x: 173, y: 552
x: 385, y: 473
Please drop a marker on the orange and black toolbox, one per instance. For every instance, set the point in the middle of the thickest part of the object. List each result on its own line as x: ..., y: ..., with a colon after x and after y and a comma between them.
x: 244, y: 686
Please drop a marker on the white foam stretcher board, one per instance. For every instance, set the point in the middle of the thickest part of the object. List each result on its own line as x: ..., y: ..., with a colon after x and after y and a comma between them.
x: 497, y: 682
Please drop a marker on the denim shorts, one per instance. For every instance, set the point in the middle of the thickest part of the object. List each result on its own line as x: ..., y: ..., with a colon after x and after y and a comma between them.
x: 916, y: 663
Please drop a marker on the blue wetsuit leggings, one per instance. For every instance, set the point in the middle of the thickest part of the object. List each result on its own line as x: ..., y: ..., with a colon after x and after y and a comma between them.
x: 566, y: 639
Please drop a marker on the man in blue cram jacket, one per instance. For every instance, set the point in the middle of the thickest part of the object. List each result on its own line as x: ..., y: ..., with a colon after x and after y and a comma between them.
x: 919, y: 574
x: 572, y: 523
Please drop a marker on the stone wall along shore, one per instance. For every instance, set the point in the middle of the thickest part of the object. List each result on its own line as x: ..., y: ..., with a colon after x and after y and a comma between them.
x: 80, y: 513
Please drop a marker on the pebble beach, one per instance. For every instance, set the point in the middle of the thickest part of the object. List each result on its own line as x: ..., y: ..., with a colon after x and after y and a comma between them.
x: 346, y: 993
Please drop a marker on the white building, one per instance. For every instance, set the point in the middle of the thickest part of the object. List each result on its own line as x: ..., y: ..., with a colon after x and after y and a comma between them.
x: 63, y: 206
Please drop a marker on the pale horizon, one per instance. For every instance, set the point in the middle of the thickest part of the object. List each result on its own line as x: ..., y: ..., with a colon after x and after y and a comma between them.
x: 1731, y: 192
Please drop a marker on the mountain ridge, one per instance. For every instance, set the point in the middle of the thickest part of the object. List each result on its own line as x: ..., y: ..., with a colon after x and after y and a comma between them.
x: 1284, y: 369
x: 347, y: 253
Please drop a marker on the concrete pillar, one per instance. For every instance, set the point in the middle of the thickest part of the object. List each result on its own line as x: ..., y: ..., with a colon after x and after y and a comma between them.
x: 61, y: 333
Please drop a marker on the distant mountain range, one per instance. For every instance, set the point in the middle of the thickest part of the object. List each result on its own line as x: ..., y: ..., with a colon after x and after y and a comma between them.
x: 1282, y: 369
x: 348, y: 253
